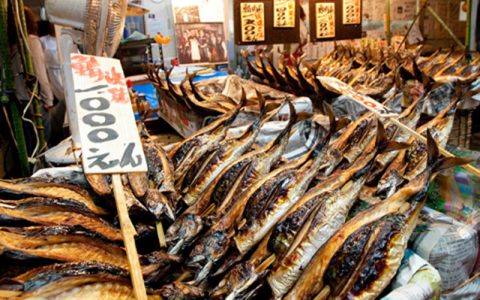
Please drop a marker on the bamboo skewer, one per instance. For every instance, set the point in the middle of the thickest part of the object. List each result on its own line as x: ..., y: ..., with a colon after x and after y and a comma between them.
x: 377, y: 108
x: 128, y: 233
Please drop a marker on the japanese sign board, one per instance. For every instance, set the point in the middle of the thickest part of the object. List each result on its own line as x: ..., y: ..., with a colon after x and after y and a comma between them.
x: 325, y: 17
x: 284, y: 13
x: 252, y: 17
x: 108, y: 133
x: 352, y: 13
x: 328, y: 20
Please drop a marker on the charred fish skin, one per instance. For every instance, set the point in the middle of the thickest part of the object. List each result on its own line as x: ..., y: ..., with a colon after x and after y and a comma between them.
x: 407, y: 200
x: 259, y: 190
x: 331, y: 215
x: 250, y: 166
x: 160, y: 167
x: 288, y: 192
x: 260, y: 164
x: 60, y: 277
x: 226, y: 154
x: 196, y: 145
x: 57, y: 212
x: 43, y: 188
x: 60, y: 243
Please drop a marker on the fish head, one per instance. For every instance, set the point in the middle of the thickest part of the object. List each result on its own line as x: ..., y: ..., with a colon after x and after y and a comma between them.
x: 210, y: 248
x: 235, y: 282
x: 181, y: 291
x: 183, y: 231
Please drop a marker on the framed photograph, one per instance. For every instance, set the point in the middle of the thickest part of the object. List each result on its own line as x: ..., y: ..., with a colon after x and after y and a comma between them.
x: 325, y: 20
x: 201, y: 43
x: 252, y: 22
x: 284, y: 13
x: 187, y: 14
x: 352, y: 12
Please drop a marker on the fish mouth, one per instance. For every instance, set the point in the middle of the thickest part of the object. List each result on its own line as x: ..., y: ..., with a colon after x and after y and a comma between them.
x: 181, y: 233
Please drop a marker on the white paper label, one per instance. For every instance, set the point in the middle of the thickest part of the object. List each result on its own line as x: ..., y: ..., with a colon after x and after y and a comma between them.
x: 108, y: 133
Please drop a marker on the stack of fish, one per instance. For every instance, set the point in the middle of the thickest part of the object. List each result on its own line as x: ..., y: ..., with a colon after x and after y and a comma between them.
x: 61, y: 240
x: 371, y: 73
x: 241, y: 221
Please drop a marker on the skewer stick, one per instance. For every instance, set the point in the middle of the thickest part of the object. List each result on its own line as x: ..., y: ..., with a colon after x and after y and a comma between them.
x: 324, y: 293
x: 443, y: 151
x: 128, y: 233
x: 380, y: 111
x: 184, y: 276
x: 266, y: 263
x: 161, y: 235
x: 9, y: 294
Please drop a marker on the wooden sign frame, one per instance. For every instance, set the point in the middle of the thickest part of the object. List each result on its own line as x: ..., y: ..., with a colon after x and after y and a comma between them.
x: 342, y: 31
x: 273, y: 35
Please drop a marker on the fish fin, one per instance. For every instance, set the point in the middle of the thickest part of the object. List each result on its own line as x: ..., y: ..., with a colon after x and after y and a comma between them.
x: 432, y: 149
x: 383, y: 144
x: 385, y: 69
x: 261, y: 103
x: 427, y: 81
x: 243, y: 99
x: 304, y: 116
x: 291, y: 121
x: 342, y: 123
x: 439, y: 165
x: 333, y: 123
x: 405, y: 74
x: 450, y: 162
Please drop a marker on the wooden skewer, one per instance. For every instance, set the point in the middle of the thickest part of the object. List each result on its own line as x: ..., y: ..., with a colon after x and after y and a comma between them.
x: 266, y: 263
x: 9, y: 294
x: 443, y: 151
x: 161, y: 235
x: 354, y: 95
x: 128, y: 233
x: 184, y: 276
x: 324, y: 293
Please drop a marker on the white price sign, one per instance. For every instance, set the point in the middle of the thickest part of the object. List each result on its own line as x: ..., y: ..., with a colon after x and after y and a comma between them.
x: 337, y: 86
x: 107, y: 129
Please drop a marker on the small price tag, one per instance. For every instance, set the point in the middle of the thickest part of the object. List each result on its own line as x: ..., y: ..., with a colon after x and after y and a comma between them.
x: 107, y: 129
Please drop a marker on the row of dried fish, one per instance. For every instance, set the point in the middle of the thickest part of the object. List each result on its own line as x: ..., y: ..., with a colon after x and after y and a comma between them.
x: 241, y: 221
x: 370, y: 77
x: 249, y: 223
x: 70, y: 232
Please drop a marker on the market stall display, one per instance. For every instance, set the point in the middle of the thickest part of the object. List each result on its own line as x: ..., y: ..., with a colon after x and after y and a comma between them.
x: 325, y: 178
x: 239, y: 219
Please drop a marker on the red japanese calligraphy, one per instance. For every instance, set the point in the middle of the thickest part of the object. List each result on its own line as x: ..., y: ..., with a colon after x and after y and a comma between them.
x: 114, y: 77
x: 119, y: 95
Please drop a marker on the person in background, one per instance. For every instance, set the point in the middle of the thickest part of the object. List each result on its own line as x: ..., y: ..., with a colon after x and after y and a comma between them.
x: 21, y: 88
x: 203, y: 44
x: 46, y: 32
x: 195, y: 48
x: 221, y: 48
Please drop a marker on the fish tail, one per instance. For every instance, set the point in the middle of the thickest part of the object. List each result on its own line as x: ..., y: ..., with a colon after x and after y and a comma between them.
x: 383, y: 144
x: 291, y: 121
x: 438, y: 164
x: 333, y: 123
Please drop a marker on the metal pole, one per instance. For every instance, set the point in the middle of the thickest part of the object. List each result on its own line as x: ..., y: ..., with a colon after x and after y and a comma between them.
x: 445, y: 26
x: 411, y: 26
x: 468, y: 25
x: 388, y: 31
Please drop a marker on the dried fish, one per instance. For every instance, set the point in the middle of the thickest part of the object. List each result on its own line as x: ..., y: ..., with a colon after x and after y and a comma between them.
x: 401, y: 209
x: 51, y: 211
